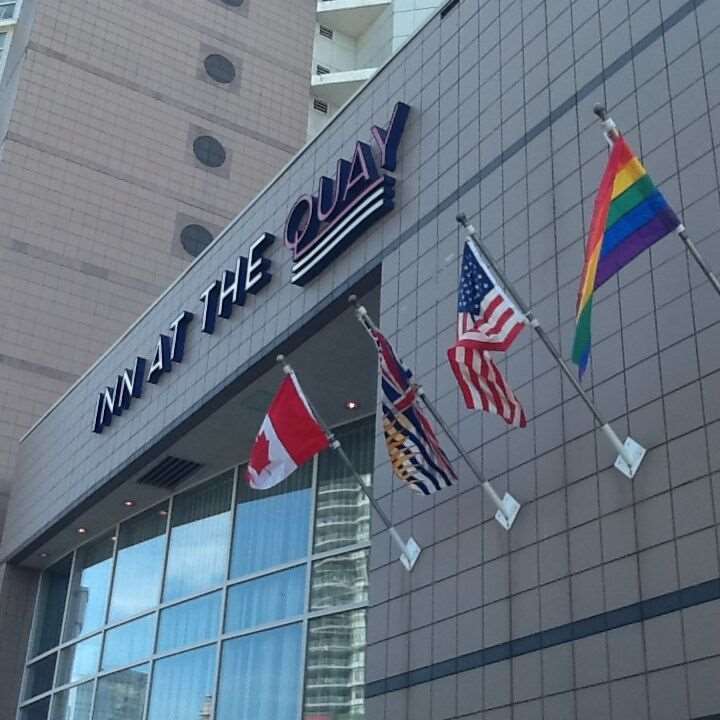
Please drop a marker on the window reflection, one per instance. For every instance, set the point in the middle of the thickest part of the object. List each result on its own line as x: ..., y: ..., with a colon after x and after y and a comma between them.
x: 79, y: 661
x: 40, y: 676
x: 199, y: 538
x: 73, y: 704
x: 138, y: 567
x: 36, y: 711
x: 339, y: 580
x: 267, y: 599
x: 51, y: 605
x: 128, y: 643
x: 342, y: 512
x: 335, y: 667
x: 189, y: 623
x: 271, y: 526
x: 260, y: 676
x: 89, y: 588
x: 182, y: 686
x: 121, y: 696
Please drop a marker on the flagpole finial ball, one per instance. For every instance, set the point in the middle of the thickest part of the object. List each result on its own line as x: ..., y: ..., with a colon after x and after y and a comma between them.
x: 462, y: 219
x: 600, y: 111
x: 352, y: 300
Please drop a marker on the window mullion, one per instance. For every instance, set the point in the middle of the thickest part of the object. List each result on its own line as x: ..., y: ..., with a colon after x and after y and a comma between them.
x: 224, y: 591
x: 106, y: 616
x: 66, y: 610
x: 151, y: 670
x: 308, y: 584
x: 94, y: 695
x: 168, y: 530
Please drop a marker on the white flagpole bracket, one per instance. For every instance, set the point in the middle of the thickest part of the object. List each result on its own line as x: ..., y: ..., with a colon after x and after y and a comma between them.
x: 636, y: 452
x: 410, y: 550
x: 630, y: 453
x: 510, y: 509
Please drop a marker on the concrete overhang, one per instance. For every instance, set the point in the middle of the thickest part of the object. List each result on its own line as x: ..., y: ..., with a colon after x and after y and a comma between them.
x: 338, y: 87
x: 350, y: 17
x: 335, y: 361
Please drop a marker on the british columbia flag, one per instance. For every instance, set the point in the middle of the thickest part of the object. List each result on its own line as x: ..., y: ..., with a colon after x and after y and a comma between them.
x: 415, y: 452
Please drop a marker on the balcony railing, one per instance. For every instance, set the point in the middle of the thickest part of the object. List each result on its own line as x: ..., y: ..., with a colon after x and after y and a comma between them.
x: 7, y: 10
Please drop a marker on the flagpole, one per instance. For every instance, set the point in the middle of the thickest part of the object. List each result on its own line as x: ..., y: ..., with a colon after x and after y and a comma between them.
x: 612, y: 134
x: 630, y: 453
x: 410, y: 550
x: 507, y: 507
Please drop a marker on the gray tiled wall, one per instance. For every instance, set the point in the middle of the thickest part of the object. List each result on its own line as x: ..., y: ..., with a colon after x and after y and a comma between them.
x: 502, y: 129
x: 506, y: 93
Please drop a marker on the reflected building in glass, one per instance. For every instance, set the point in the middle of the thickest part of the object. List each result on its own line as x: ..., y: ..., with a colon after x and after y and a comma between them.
x: 221, y: 602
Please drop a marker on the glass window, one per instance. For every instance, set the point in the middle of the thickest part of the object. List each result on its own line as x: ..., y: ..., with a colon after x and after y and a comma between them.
x: 73, y: 704
x: 51, y: 605
x: 199, y: 535
x: 121, y: 696
x: 339, y: 580
x: 342, y: 513
x: 260, y: 676
x: 139, y: 564
x: 36, y: 711
x: 267, y: 599
x: 183, y: 686
x: 40, y: 676
x: 79, y: 660
x: 89, y: 587
x: 189, y: 623
x: 335, y: 666
x: 271, y: 526
x: 128, y: 643
x: 141, y: 613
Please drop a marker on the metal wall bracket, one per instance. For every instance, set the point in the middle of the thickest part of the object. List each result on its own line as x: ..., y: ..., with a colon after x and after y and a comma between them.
x: 410, y: 555
x: 506, y: 516
x: 636, y: 453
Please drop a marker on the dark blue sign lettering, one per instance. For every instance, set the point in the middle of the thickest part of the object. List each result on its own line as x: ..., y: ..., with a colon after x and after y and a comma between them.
x: 320, y: 227
x: 179, y: 333
x: 113, y: 401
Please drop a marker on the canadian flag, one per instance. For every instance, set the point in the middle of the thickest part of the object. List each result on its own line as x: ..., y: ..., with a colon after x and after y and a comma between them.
x: 289, y: 436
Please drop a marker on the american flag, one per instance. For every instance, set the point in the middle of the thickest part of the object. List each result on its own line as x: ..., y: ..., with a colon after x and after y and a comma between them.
x: 415, y: 452
x: 487, y: 320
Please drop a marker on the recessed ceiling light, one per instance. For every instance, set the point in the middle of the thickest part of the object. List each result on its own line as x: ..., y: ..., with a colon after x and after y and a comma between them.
x: 82, y: 531
x: 43, y: 554
x: 129, y: 503
x: 162, y: 512
x: 114, y: 538
x: 352, y: 404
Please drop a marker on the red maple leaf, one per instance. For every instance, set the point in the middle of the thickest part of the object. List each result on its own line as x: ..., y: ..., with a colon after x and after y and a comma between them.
x: 260, y: 455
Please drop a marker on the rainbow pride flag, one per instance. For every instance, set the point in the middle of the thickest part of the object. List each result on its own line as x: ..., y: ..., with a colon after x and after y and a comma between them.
x: 630, y: 215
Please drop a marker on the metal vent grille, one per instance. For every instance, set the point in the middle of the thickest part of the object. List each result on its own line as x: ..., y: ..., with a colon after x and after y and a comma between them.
x: 322, y: 70
x: 320, y: 106
x: 326, y: 32
x: 168, y: 472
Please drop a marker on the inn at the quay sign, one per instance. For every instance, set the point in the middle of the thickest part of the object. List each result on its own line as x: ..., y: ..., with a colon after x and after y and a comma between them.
x: 318, y: 228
